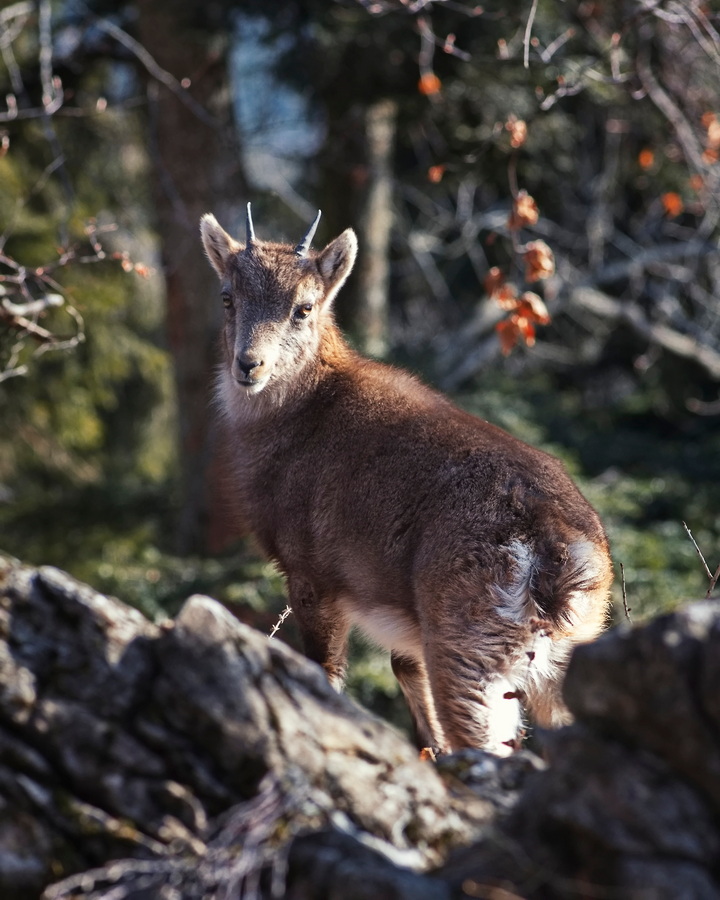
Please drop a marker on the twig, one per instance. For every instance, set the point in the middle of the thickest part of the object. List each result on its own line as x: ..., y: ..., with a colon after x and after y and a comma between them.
x: 657, y: 333
x: 528, y: 33
x: 427, y: 46
x: 45, y: 54
x: 699, y: 553
x: 626, y: 609
x: 713, y: 582
x: 547, y: 54
x: 13, y: 373
x: 157, y: 72
x: 276, y: 627
x: 26, y: 325
x: 686, y: 137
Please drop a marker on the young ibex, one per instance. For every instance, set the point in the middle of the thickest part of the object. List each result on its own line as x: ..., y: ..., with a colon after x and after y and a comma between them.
x: 471, y: 556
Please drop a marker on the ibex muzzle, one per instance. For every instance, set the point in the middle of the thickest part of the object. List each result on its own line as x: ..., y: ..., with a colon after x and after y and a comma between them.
x: 468, y: 554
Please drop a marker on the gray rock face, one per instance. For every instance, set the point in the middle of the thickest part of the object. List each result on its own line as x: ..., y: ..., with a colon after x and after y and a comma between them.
x: 628, y: 804
x: 120, y: 739
x: 198, y: 759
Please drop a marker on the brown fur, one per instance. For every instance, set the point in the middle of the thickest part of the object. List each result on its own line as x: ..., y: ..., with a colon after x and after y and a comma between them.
x: 470, y: 555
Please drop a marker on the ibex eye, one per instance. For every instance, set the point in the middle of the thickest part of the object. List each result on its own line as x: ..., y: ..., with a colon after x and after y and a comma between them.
x: 302, y: 312
x: 227, y: 299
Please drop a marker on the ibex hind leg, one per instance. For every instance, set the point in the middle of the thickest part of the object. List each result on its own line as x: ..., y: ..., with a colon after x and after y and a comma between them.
x: 413, y: 679
x: 475, y: 680
x: 587, y: 610
x: 558, y: 597
x: 542, y: 680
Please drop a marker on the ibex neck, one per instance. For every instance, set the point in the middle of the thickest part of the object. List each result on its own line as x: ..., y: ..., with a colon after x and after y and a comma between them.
x: 334, y: 352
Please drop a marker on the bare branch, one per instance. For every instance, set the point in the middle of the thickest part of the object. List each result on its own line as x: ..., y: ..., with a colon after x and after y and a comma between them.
x: 673, y: 341
x: 702, y: 407
x: 157, y: 72
x: 45, y: 54
x: 626, y: 608
x: 713, y: 582
x: 12, y: 21
x: 27, y: 283
x: 13, y: 372
x: 552, y: 48
x: 26, y: 325
x: 686, y: 136
x: 528, y: 34
x: 703, y: 32
x: 699, y: 552
x: 713, y: 578
x: 276, y: 627
x: 643, y: 257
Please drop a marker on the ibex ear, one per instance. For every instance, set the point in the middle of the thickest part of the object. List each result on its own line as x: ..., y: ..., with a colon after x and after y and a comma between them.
x: 336, y: 261
x: 217, y: 242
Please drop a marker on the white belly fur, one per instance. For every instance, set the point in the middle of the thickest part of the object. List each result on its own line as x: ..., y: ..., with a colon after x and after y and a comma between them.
x: 388, y: 628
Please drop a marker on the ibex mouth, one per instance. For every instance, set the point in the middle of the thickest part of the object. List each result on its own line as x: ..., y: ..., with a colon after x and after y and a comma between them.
x: 251, y: 385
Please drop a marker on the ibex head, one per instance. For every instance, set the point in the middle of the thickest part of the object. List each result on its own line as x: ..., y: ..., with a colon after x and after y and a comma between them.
x: 277, y: 300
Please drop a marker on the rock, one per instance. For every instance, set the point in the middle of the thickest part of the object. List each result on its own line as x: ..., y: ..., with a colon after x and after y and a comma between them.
x: 120, y: 739
x: 658, y: 687
x: 627, y: 804
x: 198, y: 759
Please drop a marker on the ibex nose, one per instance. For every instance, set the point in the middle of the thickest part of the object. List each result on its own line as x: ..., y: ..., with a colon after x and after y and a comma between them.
x: 246, y: 364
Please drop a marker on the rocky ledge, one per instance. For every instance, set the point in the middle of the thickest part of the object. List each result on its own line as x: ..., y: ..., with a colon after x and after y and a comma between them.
x: 197, y: 759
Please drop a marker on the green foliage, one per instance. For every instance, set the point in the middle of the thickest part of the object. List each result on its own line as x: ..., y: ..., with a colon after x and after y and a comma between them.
x: 100, y: 415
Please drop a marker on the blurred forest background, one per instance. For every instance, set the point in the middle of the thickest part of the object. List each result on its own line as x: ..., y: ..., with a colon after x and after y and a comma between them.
x: 453, y: 137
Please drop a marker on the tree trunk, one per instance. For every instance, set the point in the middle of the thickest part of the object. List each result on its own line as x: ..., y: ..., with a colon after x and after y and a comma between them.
x: 196, y: 169
x: 374, y: 225
x: 357, y: 175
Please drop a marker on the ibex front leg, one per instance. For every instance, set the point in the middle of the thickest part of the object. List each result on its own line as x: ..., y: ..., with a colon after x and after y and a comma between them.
x: 323, y: 627
x: 413, y: 679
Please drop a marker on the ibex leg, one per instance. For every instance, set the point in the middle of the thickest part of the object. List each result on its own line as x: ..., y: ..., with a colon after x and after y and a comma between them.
x: 323, y: 627
x: 413, y: 679
x: 477, y: 676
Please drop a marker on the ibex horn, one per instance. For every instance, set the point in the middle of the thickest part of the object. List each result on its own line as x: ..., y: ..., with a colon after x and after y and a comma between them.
x: 250, y: 229
x: 304, y: 245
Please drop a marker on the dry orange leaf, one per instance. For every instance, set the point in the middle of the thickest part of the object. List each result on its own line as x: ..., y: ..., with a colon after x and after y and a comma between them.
x: 429, y: 84
x: 646, y: 158
x: 672, y: 204
x: 511, y: 330
x: 506, y: 296
x: 508, y: 333
x: 427, y: 754
x: 532, y: 308
x: 493, y: 280
x: 518, y: 131
x: 524, y: 211
x: 435, y: 173
x: 539, y: 261
x: 713, y: 133
x: 526, y: 329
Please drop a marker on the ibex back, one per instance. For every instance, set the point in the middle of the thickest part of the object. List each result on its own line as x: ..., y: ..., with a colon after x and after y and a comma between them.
x: 471, y: 556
